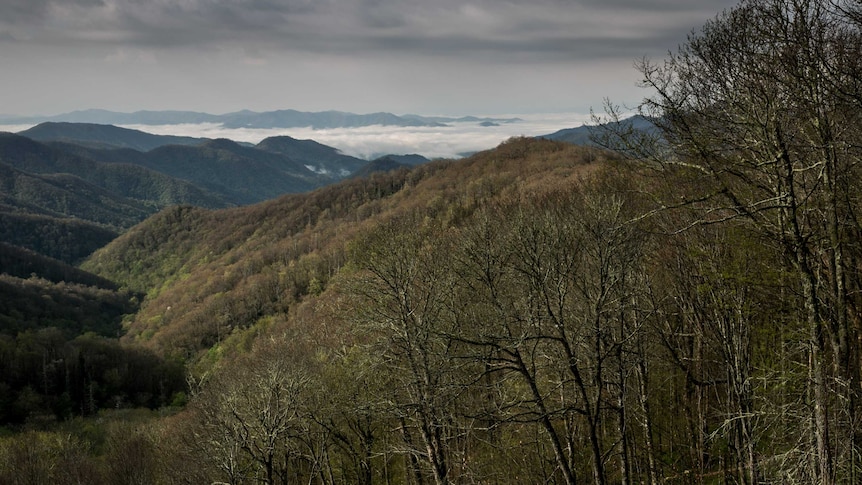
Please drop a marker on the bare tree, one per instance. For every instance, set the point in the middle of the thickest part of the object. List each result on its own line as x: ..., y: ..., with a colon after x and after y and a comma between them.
x: 407, y: 297
x: 762, y: 105
x: 553, y: 316
x: 251, y: 415
x: 716, y: 282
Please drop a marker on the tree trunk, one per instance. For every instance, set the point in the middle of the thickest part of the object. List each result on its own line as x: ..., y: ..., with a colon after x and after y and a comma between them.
x: 412, y: 462
x: 646, y: 422
x: 556, y: 444
x: 817, y: 379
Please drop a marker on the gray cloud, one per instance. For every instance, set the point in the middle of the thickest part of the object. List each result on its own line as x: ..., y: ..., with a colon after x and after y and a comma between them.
x: 442, y: 27
x: 219, y: 55
x: 34, y: 11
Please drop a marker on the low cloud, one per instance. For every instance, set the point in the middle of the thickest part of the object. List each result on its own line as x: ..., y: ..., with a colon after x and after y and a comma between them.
x: 452, y: 141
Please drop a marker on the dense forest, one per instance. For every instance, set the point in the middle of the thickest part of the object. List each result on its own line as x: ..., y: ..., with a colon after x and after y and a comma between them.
x: 679, y: 306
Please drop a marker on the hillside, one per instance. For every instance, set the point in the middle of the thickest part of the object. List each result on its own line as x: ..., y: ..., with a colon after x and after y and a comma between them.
x: 18, y: 262
x: 100, y: 168
x: 210, y: 266
x: 382, y: 164
x: 57, y: 200
x: 244, y: 175
x: 212, y: 173
x: 276, y: 289
x: 58, y: 323
x: 104, y: 136
x: 478, y: 297
x: 62, y: 195
x: 319, y: 158
x: 410, y: 159
x: 590, y: 134
x: 105, y: 191
x: 68, y: 239
x: 138, y: 182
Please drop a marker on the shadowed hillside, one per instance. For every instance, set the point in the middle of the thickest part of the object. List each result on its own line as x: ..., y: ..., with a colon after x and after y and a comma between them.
x: 208, y: 274
x: 317, y: 157
x: 64, y: 195
x: 104, y: 136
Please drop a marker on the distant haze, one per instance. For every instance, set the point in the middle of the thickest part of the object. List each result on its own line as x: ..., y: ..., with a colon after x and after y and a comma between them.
x: 451, y: 141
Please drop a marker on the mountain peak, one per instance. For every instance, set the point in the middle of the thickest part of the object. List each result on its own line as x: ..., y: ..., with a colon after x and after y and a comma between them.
x: 282, y: 118
x: 103, y: 136
x: 222, y: 144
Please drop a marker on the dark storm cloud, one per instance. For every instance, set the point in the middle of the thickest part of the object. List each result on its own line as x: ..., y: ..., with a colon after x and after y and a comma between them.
x: 429, y: 56
x: 545, y: 28
x: 651, y: 5
x: 12, y: 11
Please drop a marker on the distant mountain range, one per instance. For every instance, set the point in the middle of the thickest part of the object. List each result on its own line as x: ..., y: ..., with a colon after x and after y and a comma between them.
x: 107, y: 178
x: 68, y: 188
x: 250, y: 119
x: 389, y: 163
x: 590, y: 134
x: 104, y: 136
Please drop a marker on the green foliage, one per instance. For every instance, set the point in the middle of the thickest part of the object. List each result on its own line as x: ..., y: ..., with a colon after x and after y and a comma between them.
x: 22, y: 263
x: 521, y: 315
x: 121, y: 446
x: 59, y: 356
x: 49, y: 376
x: 34, y: 303
x: 209, y: 274
x: 67, y: 196
x: 64, y: 239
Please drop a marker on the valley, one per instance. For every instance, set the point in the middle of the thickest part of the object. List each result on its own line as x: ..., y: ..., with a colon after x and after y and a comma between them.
x: 279, y: 312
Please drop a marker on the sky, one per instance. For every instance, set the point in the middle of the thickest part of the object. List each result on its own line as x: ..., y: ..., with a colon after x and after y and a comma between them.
x: 428, y: 57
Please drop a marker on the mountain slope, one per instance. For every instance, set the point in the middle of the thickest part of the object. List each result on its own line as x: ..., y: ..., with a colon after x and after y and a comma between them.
x: 104, y: 136
x: 64, y: 206
x: 129, y: 180
x: 216, y: 173
x: 317, y: 157
x: 586, y: 134
x: 23, y: 263
x: 245, y: 175
x: 410, y: 159
x: 66, y: 239
x: 208, y: 274
x: 43, y: 185
x: 382, y: 164
x: 63, y: 195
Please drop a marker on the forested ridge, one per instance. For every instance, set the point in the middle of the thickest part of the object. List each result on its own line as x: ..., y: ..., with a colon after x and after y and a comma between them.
x: 103, y: 136
x: 56, y: 194
x: 680, y: 306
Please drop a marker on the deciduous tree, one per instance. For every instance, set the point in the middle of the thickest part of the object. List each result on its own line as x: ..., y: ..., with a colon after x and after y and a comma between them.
x: 761, y: 106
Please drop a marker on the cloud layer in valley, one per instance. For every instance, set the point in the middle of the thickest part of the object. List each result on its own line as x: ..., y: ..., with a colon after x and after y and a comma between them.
x: 450, y: 141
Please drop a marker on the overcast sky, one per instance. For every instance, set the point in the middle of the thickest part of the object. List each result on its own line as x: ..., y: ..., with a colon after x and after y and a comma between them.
x: 428, y: 57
